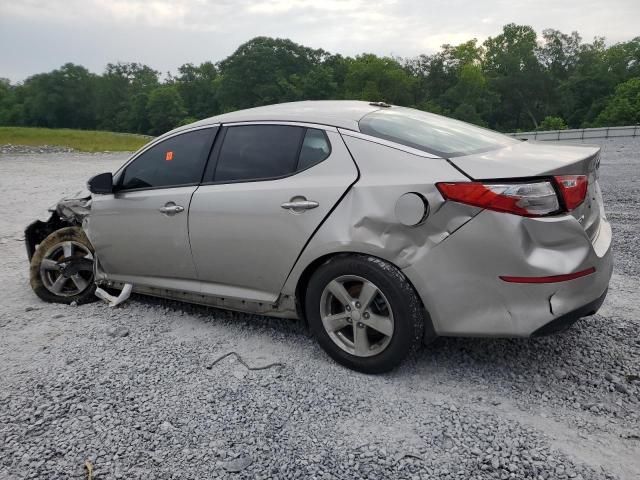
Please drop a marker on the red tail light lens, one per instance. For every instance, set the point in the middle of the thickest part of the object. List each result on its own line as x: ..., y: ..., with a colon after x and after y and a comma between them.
x: 526, y: 199
x: 573, y: 189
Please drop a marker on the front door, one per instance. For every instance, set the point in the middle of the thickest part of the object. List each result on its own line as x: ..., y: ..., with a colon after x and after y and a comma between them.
x: 269, y: 188
x: 140, y: 232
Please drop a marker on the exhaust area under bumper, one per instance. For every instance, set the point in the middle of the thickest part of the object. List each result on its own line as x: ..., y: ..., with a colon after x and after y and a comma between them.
x: 565, y: 321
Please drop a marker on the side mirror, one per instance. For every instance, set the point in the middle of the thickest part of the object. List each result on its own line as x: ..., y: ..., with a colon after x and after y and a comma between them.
x: 101, y: 183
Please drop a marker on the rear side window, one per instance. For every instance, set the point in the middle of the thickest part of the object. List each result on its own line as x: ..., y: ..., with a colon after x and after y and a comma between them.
x: 261, y: 152
x: 176, y: 161
x: 315, y: 148
x: 432, y: 133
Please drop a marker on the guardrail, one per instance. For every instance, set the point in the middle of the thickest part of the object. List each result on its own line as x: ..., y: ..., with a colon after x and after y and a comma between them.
x: 581, y: 133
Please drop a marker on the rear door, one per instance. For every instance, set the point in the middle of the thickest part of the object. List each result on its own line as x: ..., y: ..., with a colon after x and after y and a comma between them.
x: 140, y: 232
x: 266, y: 189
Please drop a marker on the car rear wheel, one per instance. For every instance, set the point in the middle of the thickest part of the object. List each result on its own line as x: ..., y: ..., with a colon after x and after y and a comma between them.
x: 62, y: 267
x: 364, y: 313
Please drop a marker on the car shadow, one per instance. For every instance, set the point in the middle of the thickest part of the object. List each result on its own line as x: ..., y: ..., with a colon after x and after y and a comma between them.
x: 253, y: 322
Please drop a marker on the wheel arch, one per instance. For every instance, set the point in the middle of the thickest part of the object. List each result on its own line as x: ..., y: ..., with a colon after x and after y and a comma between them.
x: 312, y: 267
x: 37, y: 231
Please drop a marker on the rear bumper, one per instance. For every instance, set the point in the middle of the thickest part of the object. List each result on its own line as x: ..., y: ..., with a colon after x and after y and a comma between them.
x: 565, y: 321
x: 459, y: 280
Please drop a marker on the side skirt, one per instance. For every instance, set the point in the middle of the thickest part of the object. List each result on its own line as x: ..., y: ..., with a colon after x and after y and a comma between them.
x: 284, y: 307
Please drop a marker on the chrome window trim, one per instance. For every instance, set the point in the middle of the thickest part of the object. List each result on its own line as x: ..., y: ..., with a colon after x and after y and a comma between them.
x: 387, y: 143
x: 317, y: 126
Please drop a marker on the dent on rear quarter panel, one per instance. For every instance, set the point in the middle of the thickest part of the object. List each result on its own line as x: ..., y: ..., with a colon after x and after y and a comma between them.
x: 365, y: 220
x: 470, y: 299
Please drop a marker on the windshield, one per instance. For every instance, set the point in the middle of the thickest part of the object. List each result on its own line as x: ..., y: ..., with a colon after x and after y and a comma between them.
x: 431, y: 133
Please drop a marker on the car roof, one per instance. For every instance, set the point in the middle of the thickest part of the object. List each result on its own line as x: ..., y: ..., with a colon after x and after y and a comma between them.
x: 335, y: 113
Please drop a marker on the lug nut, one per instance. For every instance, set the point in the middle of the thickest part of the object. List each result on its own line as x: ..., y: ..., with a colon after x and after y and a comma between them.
x: 349, y: 320
x: 360, y: 325
x: 357, y: 304
x: 366, y: 315
x: 347, y: 308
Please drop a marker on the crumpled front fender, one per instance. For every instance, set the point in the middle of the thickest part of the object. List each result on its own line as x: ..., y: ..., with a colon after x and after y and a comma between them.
x: 68, y: 211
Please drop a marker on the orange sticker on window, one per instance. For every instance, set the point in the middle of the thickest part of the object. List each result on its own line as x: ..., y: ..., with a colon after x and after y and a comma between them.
x: 169, y: 156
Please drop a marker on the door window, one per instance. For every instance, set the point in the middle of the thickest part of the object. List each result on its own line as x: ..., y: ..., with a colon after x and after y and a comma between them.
x: 251, y: 152
x: 176, y: 161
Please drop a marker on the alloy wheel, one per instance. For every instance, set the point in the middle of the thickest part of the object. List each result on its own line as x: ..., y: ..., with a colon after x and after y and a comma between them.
x: 356, y: 315
x: 53, y: 264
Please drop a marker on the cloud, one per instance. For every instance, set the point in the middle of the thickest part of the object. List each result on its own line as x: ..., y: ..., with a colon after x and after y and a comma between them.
x: 44, y: 34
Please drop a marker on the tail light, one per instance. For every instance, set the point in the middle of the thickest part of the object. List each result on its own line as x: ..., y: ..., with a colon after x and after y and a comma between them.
x: 526, y: 199
x: 529, y: 199
x: 573, y: 189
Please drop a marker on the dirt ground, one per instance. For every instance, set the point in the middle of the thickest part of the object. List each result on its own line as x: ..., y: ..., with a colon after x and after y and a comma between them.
x: 137, y: 391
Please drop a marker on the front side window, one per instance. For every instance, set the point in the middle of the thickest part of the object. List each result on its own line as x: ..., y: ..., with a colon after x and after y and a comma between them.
x: 176, y: 161
x: 432, y: 133
x: 251, y: 152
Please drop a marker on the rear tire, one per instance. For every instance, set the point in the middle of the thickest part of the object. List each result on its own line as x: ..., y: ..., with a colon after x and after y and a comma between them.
x: 48, y: 282
x: 364, y: 313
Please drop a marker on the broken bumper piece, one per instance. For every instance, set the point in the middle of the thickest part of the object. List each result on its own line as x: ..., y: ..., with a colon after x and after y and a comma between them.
x: 565, y: 321
x: 115, y: 301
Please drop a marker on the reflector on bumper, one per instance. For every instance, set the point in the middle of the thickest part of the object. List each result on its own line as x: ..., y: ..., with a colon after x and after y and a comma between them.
x: 549, y: 279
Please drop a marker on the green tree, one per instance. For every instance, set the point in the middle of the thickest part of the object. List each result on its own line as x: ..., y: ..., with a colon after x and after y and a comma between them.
x: 319, y: 84
x: 198, y: 86
x: 469, y: 98
x: 122, y: 97
x: 339, y: 66
x: 623, y: 60
x: 165, y: 109
x: 510, y: 82
x: 624, y: 107
x: 559, y: 53
x: 516, y: 76
x: 378, y: 79
x: 584, y: 92
x: 61, y: 98
x: 10, y: 106
x: 552, y: 123
x: 264, y: 71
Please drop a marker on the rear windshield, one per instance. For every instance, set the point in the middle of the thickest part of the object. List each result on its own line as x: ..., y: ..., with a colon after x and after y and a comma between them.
x: 431, y: 133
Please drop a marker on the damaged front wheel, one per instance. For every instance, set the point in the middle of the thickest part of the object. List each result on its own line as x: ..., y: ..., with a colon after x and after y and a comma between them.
x: 62, y: 267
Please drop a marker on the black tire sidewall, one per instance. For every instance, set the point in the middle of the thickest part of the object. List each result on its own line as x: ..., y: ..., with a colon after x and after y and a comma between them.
x: 404, y: 303
x: 74, y: 234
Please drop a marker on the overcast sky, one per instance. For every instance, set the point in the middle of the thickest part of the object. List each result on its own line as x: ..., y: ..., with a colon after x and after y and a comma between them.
x: 40, y: 35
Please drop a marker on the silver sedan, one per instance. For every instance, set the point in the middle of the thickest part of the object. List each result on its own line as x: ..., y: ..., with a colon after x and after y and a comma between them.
x: 382, y: 227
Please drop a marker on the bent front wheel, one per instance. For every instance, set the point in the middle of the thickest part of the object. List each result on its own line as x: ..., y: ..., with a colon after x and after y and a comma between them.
x: 61, y: 269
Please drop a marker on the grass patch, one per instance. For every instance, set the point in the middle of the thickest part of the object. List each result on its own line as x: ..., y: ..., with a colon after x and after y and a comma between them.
x: 81, y: 140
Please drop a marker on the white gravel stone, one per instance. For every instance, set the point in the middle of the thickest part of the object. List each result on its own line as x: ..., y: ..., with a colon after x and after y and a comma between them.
x: 146, y: 406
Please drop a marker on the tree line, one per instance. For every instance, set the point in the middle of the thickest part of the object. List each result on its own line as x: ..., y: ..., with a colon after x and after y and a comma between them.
x: 513, y: 81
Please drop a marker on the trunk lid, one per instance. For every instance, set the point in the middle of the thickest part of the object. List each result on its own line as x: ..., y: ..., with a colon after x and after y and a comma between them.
x: 530, y: 159
x: 541, y: 159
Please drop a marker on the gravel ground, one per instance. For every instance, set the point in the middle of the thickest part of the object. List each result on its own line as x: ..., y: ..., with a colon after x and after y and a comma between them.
x: 141, y: 391
x: 10, y: 149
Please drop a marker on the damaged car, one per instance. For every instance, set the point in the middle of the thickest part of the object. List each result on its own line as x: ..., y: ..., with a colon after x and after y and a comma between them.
x: 380, y: 226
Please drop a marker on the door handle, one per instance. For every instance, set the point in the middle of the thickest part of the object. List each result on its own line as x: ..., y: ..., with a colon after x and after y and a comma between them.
x: 299, y: 205
x: 171, y: 209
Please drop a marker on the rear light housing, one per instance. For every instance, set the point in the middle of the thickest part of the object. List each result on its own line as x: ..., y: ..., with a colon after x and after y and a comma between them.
x: 529, y: 199
x: 573, y: 189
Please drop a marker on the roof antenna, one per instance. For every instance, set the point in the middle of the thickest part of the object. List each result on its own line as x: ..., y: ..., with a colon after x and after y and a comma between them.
x: 380, y: 104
